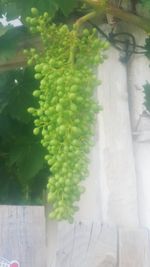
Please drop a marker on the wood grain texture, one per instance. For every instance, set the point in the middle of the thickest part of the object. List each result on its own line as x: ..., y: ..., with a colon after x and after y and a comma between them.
x: 138, y: 74
x: 90, y: 202
x: 104, y: 251
x: 86, y: 244
x: 51, y: 238
x: 117, y: 166
x: 94, y: 245
x: 113, y: 176
x: 22, y: 235
x: 75, y: 242
x: 134, y: 248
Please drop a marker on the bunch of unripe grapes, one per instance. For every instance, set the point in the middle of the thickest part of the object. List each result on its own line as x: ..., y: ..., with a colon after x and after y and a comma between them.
x: 66, y: 109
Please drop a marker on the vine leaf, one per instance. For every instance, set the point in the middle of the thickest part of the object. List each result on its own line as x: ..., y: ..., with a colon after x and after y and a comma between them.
x: 147, y: 47
x: 9, y: 41
x: 147, y: 96
x: 21, y: 153
x: 67, y: 6
x: 27, y: 156
x: 20, y: 98
x: 4, y: 29
x: 22, y: 8
x: 16, y: 94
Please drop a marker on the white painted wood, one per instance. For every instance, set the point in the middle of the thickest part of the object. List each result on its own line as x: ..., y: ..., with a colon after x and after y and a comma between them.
x: 75, y: 242
x: 64, y: 239
x: 142, y: 156
x: 103, y: 252
x: 117, y: 170
x: 113, y: 193
x: 22, y: 235
x: 51, y: 239
x: 67, y: 244
x: 134, y: 248
x: 138, y: 74
x: 90, y: 202
x: 86, y: 244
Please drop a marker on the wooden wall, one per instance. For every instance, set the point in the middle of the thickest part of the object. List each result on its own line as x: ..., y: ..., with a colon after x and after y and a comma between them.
x: 112, y: 226
x: 22, y: 235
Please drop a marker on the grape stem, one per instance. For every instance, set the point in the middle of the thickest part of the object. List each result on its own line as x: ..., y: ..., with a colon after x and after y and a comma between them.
x: 138, y: 21
x: 99, y: 8
x: 126, y: 16
x: 77, y: 25
x: 85, y: 18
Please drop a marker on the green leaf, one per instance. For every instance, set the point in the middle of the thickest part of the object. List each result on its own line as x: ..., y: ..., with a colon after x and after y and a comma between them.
x: 9, y: 41
x: 28, y: 156
x: 145, y: 3
x: 4, y: 91
x: 24, y: 7
x: 21, y: 98
x: 7, y: 47
x: 5, y: 128
x: 16, y: 89
x: 4, y: 29
x: 17, y: 8
x: 11, y: 10
x: 67, y: 6
x: 147, y: 96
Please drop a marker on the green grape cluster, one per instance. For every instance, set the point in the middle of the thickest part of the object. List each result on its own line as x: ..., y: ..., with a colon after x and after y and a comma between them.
x: 66, y: 110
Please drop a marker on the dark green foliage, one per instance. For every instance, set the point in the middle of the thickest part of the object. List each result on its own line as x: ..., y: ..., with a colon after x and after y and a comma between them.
x: 145, y: 3
x: 143, y: 8
x: 66, y: 5
x: 15, y: 8
x: 147, y: 96
x: 147, y: 47
x: 10, y: 40
x: 23, y: 174
x: 21, y: 154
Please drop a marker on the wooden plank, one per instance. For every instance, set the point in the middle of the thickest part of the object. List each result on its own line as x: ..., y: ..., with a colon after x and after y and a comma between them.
x: 75, y: 243
x: 117, y: 166
x: 51, y: 238
x: 138, y: 74
x: 65, y: 243
x: 104, y: 251
x: 142, y: 156
x: 90, y: 202
x: 134, y: 248
x: 22, y: 235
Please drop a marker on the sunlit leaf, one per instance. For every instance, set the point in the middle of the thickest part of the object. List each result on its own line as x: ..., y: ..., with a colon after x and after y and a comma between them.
x: 67, y: 6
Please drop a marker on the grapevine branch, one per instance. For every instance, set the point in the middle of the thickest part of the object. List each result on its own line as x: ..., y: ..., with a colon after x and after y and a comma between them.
x: 126, y: 16
x: 99, y: 8
x: 78, y: 24
x: 85, y: 18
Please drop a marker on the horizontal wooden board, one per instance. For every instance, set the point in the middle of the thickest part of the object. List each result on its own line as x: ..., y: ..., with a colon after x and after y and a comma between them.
x: 22, y: 235
x: 134, y: 248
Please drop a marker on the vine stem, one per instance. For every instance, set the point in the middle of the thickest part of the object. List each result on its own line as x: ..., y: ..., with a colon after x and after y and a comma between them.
x: 99, y: 8
x: 126, y: 16
x: 85, y: 18
x: 77, y: 26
